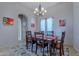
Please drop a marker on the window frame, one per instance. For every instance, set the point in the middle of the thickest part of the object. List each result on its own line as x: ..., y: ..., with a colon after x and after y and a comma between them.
x: 46, y: 23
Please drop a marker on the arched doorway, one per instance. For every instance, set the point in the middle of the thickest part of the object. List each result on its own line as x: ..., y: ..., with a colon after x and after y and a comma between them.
x: 22, y: 27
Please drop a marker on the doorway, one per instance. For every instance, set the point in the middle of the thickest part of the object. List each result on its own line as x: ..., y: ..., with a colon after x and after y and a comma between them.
x: 22, y: 27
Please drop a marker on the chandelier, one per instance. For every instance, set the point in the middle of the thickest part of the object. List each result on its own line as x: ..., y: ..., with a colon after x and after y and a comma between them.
x: 40, y: 11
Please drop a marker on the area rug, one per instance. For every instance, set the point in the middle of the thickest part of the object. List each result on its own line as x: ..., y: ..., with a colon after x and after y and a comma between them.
x: 21, y: 50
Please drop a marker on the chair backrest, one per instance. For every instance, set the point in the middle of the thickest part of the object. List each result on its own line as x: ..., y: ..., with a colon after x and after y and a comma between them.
x: 39, y: 35
x: 62, y: 37
x: 50, y: 33
x: 28, y: 35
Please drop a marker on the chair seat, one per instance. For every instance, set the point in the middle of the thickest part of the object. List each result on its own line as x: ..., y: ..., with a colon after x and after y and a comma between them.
x: 57, y: 46
x: 33, y: 41
x: 41, y: 45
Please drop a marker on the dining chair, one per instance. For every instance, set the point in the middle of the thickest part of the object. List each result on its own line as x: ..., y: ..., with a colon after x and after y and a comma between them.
x: 60, y: 44
x: 29, y: 39
x: 39, y: 36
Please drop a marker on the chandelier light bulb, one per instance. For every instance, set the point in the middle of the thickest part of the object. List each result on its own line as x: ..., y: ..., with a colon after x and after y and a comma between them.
x: 36, y: 9
x: 45, y: 11
x: 34, y: 12
x: 42, y: 8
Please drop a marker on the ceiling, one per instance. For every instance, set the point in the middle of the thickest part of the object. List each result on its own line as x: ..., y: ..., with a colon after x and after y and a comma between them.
x: 33, y: 5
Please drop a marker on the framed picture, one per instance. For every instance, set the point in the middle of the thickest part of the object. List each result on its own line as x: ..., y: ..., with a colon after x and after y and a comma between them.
x: 62, y: 22
x: 0, y: 23
x: 33, y: 25
x: 8, y: 21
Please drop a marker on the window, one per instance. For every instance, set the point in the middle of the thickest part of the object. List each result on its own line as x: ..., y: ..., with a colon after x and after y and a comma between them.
x: 42, y: 23
x: 49, y: 24
x: 46, y: 24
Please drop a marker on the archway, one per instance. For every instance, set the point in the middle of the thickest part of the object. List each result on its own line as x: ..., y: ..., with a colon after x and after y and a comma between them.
x: 22, y: 27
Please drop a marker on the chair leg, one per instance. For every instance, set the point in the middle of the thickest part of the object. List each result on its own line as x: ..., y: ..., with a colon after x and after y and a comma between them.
x: 43, y: 51
x: 32, y: 48
x: 60, y: 52
x: 36, y: 49
x: 54, y: 51
x: 50, y: 50
x: 27, y: 45
x: 47, y: 49
x: 53, y: 47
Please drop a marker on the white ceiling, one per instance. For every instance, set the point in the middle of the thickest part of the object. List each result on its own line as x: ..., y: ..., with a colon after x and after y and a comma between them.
x: 33, y: 5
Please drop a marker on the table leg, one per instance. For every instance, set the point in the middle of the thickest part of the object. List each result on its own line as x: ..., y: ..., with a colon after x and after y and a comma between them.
x: 50, y: 48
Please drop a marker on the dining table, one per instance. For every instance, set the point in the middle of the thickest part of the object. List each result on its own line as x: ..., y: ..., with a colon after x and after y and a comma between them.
x: 50, y: 40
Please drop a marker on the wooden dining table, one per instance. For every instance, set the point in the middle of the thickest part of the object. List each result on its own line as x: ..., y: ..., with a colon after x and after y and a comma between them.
x: 49, y: 39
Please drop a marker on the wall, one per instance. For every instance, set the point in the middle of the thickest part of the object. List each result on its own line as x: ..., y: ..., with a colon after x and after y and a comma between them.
x: 76, y: 25
x: 9, y: 34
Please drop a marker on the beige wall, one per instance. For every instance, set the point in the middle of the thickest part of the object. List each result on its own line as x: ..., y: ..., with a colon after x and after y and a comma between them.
x: 9, y: 34
x: 76, y: 26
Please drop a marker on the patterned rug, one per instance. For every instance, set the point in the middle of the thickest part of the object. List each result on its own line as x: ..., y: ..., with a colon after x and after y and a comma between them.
x: 23, y: 51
